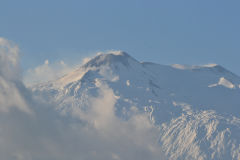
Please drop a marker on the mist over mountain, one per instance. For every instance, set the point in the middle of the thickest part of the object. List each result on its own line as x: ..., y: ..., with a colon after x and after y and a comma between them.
x: 194, y: 108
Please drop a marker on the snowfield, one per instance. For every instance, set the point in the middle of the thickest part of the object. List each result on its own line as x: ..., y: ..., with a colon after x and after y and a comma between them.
x: 195, y: 109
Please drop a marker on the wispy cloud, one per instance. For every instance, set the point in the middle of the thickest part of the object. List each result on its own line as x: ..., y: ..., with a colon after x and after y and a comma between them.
x: 46, y: 72
x: 10, y: 84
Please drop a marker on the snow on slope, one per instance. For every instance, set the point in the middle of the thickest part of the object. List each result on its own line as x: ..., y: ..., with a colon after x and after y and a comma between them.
x: 196, y: 108
x: 224, y: 82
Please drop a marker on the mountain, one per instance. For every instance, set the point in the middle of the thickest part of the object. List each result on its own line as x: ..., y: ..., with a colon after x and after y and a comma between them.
x: 196, y: 108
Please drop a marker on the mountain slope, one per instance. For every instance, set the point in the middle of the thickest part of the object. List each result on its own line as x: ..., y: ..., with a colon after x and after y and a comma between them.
x: 196, y: 108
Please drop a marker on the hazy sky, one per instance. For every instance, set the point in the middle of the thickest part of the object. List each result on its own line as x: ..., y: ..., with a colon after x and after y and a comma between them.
x: 162, y: 31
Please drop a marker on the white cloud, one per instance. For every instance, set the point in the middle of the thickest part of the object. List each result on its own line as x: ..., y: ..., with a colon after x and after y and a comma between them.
x: 46, y: 72
x: 9, y: 66
x: 10, y: 94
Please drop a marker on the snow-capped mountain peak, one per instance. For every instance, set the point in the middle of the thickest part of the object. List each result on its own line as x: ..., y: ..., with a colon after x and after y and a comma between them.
x: 110, y: 58
x: 199, y: 104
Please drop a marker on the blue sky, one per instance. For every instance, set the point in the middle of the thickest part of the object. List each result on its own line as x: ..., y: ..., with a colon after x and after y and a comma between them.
x: 162, y: 31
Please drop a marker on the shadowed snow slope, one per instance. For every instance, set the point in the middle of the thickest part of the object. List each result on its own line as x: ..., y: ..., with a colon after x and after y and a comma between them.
x: 197, y: 108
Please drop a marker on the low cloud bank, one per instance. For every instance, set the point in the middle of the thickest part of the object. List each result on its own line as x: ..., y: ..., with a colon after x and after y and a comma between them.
x: 30, y: 128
